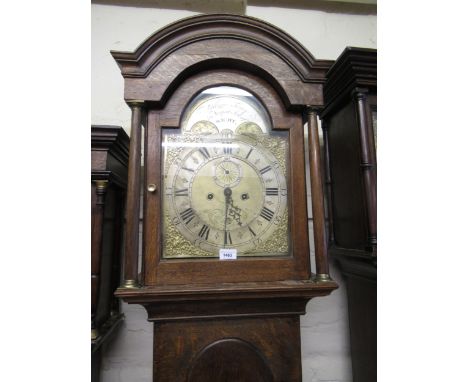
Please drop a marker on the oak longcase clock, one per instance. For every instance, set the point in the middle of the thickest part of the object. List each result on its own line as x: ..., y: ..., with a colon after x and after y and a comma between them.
x: 218, y: 105
x: 350, y: 136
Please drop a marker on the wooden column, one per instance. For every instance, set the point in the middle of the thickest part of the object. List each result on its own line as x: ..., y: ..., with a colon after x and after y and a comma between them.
x: 368, y: 164
x: 97, y: 214
x: 133, y: 198
x: 328, y: 182
x: 320, y: 235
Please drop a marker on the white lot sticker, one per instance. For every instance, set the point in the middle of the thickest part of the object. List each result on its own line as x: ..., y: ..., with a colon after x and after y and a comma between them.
x: 227, y: 254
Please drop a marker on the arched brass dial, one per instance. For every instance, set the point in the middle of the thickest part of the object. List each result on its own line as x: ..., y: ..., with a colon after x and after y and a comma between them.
x: 224, y: 180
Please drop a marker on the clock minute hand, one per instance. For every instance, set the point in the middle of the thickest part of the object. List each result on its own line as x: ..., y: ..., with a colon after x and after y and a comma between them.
x: 227, y: 194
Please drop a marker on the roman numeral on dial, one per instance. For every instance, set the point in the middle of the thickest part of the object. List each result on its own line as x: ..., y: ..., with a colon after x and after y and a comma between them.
x: 267, y: 214
x: 187, y: 215
x: 272, y: 190
x: 181, y: 192
x: 204, y: 232
x: 204, y: 151
x: 265, y: 169
x: 251, y: 231
x: 227, y: 150
x: 227, y: 237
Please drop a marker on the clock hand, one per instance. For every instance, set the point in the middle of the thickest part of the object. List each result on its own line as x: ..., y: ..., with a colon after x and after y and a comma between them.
x: 235, y: 212
x: 227, y: 194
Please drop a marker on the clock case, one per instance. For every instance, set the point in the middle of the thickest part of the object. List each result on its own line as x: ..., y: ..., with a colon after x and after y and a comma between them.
x: 206, y: 310
x: 109, y: 159
x: 351, y: 179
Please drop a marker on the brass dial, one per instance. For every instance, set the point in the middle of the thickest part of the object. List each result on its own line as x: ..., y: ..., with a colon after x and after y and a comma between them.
x: 198, y: 204
x: 225, y: 186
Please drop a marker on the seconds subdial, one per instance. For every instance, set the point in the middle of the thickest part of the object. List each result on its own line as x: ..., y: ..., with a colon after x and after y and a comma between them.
x: 227, y: 173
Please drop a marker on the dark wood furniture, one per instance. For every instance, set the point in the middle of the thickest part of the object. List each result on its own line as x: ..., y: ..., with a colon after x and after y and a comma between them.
x: 223, y: 320
x: 109, y: 158
x: 349, y: 123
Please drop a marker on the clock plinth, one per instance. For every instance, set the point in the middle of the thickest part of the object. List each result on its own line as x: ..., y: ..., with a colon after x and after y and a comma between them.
x: 224, y: 168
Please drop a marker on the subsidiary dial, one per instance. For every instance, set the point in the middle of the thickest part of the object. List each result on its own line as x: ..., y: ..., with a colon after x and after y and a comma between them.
x: 227, y: 173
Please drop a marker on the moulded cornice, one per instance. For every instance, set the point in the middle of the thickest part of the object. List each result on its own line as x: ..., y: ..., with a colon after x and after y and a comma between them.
x: 112, y: 139
x: 139, y: 64
x: 355, y: 67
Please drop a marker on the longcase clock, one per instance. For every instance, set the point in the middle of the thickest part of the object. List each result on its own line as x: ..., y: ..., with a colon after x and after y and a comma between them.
x: 109, y: 157
x: 220, y: 102
x: 350, y: 135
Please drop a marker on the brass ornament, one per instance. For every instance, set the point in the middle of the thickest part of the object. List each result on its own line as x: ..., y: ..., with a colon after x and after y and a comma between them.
x: 322, y: 277
x: 94, y: 334
x: 278, y: 241
x: 130, y: 284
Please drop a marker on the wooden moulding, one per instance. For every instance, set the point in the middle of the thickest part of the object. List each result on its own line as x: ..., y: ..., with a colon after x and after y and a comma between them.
x: 260, y: 298
x: 215, y: 26
x: 354, y: 68
x: 160, y: 63
x: 109, y: 154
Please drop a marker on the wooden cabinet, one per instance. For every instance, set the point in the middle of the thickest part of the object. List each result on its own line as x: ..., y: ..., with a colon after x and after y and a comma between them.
x: 349, y: 122
x: 218, y: 109
x: 109, y: 160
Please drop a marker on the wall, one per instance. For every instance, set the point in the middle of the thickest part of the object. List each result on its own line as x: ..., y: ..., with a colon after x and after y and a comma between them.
x: 324, y: 31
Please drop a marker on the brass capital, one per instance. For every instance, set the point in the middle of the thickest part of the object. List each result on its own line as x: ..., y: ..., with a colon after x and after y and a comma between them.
x: 135, y: 102
x: 360, y: 93
x: 101, y: 184
x: 312, y: 109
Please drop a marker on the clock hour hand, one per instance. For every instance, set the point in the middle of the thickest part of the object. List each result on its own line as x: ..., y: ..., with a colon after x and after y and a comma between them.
x: 235, y: 212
